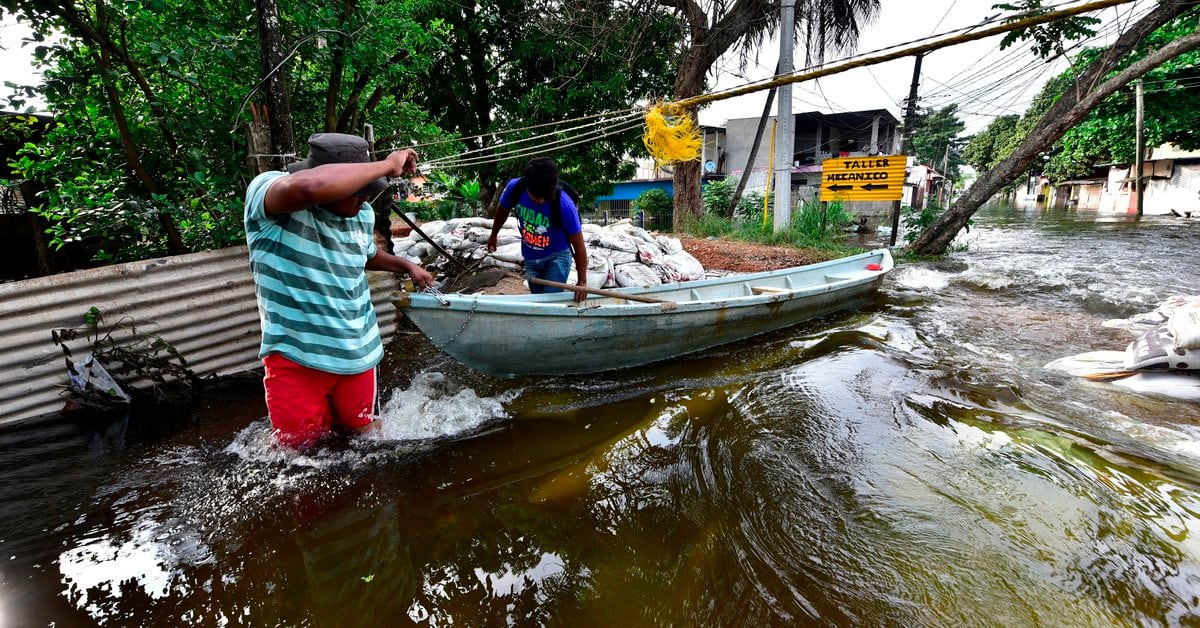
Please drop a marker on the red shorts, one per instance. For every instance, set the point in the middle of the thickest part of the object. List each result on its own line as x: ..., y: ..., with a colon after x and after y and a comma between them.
x: 305, y: 403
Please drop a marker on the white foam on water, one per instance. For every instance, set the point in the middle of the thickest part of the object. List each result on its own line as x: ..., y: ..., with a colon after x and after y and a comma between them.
x: 925, y: 279
x: 256, y: 445
x: 433, y: 407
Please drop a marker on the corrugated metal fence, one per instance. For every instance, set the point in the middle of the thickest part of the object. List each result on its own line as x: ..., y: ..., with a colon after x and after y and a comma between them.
x: 202, y: 303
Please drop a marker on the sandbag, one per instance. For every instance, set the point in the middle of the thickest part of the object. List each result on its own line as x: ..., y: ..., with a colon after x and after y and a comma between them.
x: 492, y: 261
x: 617, y: 242
x: 649, y: 255
x: 669, y: 245
x: 686, y: 267
x: 1185, y: 326
x: 636, y: 274
x: 1156, y: 350
x: 509, y: 253
x: 598, y: 275
x: 616, y: 257
x: 641, y: 234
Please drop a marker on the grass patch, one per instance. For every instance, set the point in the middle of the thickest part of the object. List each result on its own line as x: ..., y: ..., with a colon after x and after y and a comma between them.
x: 803, y: 232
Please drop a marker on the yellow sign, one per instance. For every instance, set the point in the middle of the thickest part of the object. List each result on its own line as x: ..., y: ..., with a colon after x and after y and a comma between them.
x: 863, y: 178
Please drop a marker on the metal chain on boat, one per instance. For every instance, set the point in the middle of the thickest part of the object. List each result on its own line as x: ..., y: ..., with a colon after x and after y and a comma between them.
x: 442, y: 299
x: 437, y: 294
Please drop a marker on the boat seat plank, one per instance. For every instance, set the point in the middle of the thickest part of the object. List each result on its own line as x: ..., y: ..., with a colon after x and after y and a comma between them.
x: 845, y: 277
x: 768, y: 290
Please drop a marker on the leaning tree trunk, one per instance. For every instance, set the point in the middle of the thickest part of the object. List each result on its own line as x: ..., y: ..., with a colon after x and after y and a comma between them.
x: 1065, y: 114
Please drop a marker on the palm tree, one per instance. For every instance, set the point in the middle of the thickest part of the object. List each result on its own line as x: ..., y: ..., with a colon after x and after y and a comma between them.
x: 712, y: 28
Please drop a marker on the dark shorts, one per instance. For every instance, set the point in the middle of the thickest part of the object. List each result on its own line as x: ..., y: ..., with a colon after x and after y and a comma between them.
x: 554, y: 267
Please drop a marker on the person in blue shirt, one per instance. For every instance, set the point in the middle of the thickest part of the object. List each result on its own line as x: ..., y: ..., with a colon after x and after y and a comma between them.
x: 551, y: 232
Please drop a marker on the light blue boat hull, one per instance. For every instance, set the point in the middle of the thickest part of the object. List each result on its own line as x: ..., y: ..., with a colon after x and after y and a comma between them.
x: 548, y: 334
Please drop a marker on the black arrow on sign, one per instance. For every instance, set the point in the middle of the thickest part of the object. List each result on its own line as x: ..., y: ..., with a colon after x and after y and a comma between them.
x: 875, y: 186
x: 839, y: 188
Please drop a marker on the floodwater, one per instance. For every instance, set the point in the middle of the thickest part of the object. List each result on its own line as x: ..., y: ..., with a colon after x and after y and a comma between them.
x: 908, y: 464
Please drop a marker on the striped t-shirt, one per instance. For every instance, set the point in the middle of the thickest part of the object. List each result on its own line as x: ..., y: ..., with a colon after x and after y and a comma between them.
x: 313, y: 299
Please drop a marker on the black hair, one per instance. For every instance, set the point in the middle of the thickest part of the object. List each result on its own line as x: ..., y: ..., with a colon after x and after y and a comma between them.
x: 541, y: 177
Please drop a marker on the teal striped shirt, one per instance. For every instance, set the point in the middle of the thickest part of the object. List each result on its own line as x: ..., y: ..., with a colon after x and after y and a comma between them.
x: 313, y: 299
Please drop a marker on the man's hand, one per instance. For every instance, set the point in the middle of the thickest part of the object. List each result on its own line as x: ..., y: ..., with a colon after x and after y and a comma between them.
x: 491, y: 243
x: 402, y: 162
x: 420, y: 277
x: 580, y: 296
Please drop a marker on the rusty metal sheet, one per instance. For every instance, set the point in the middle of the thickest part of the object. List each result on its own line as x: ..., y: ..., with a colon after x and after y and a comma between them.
x: 202, y: 303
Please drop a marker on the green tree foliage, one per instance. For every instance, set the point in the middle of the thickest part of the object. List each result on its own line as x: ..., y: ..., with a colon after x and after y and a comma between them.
x: 1049, y: 38
x: 986, y: 148
x: 150, y: 100
x: 1172, y: 113
x: 935, y: 132
x: 511, y: 64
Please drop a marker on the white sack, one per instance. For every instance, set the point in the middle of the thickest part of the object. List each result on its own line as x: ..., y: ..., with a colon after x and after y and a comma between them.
x: 510, y: 253
x: 636, y: 274
x: 686, y: 267
x: 1185, y: 326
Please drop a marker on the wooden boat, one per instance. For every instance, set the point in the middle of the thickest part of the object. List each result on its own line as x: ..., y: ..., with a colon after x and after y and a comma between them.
x: 550, y: 334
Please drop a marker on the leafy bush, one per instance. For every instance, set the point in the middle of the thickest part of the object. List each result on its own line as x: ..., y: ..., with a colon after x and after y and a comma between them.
x: 717, y: 195
x: 750, y: 208
x: 822, y: 223
x: 653, y: 201
x: 917, y: 221
x: 451, y: 197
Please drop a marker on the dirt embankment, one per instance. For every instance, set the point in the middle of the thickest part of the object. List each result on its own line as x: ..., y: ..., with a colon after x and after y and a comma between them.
x: 748, y: 257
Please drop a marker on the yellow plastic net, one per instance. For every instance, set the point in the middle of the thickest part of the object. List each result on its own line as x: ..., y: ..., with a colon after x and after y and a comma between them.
x: 671, y: 134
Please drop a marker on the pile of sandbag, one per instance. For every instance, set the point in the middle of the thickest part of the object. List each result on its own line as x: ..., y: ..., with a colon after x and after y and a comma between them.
x: 1168, y: 337
x: 619, y: 255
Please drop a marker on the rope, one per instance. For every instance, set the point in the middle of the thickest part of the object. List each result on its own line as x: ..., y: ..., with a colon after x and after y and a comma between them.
x: 671, y: 133
x: 488, y: 149
x: 788, y: 79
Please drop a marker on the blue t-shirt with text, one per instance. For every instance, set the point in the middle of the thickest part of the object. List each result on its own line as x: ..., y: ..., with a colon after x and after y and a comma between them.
x: 539, y: 237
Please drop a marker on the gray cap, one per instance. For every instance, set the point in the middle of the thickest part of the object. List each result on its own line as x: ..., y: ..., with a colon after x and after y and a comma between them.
x: 339, y: 148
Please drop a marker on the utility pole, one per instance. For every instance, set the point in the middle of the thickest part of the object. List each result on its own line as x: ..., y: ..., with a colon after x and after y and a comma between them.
x: 910, y: 113
x: 785, y: 145
x: 1139, y: 160
x: 945, y: 176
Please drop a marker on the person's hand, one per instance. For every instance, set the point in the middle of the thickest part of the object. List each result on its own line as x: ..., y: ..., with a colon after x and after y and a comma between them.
x: 580, y: 296
x: 402, y: 162
x: 421, y: 277
x: 491, y: 243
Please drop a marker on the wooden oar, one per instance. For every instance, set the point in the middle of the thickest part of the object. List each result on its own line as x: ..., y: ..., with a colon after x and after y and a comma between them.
x: 1109, y: 375
x: 666, y: 305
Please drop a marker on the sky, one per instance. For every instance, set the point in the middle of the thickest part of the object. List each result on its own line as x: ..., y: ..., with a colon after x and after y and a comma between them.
x: 985, y: 81
x: 15, y: 66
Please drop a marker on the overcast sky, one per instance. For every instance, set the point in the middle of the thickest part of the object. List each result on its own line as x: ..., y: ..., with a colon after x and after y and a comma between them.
x: 985, y: 81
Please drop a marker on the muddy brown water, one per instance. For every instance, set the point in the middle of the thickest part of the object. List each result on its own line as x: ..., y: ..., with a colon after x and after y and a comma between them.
x: 909, y: 463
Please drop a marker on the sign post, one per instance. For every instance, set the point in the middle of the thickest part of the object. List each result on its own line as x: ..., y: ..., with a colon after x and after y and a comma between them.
x: 863, y: 178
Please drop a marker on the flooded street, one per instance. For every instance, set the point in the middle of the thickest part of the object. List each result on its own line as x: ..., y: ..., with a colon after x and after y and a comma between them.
x: 912, y: 463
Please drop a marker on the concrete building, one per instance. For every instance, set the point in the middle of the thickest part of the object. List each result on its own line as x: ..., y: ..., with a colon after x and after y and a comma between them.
x: 817, y: 136
x: 1171, y: 175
